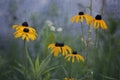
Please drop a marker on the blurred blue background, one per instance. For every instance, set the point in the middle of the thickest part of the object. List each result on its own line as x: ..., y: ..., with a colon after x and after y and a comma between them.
x: 59, y: 12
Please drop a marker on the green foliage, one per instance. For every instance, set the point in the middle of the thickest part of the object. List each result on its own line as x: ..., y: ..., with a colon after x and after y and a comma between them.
x: 36, y: 70
x: 48, y: 37
x: 107, y: 62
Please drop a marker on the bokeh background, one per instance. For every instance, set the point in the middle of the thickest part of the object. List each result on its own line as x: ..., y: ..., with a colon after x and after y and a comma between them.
x: 58, y: 12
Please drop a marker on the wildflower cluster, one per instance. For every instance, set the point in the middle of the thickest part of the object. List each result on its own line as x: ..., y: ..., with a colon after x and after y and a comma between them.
x: 65, y: 51
x: 52, y: 27
x: 97, y: 21
x: 24, y: 31
x: 28, y: 33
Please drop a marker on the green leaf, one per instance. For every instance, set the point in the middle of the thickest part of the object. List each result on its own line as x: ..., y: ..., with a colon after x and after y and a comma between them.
x: 50, y: 68
x: 37, y: 65
x: 20, y: 69
x: 44, y: 64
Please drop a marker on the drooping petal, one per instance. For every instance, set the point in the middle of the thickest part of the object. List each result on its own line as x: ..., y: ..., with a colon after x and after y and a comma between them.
x: 68, y: 49
x: 15, y: 26
x: 73, y: 59
x: 77, y: 18
x: 68, y: 58
x: 73, y: 18
x: 81, y: 18
x: 104, y: 24
x: 51, y: 45
x: 64, y: 49
x: 81, y: 58
x: 77, y: 57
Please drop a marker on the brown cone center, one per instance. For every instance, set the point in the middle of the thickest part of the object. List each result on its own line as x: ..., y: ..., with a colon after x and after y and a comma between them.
x: 26, y: 30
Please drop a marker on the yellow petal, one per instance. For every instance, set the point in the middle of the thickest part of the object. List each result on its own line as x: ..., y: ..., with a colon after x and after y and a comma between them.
x: 55, y: 51
x: 23, y: 37
x: 64, y: 51
x: 96, y: 24
x: 81, y: 18
x: 14, y: 26
x: 68, y: 48
x: 104, y: 25
x: 81, y: 58
x: 77, y: 57
x: 101, y: 25
x: 51, y: 45
x: 26, y: 38
x: 77, y: 18
x: 68, y: 58
x: 72, y: 59
x: 73, y: 19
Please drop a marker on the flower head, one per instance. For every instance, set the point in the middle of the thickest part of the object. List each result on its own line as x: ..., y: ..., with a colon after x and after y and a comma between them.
x: 69, y: 79
x: 74, y: 55
x: 52, y: 28
x: 99, y: 22
x: 24, y: 31
x: 60, y: 29
x: 80, y: 18
x: 49, y: 23
x: 59, y: 48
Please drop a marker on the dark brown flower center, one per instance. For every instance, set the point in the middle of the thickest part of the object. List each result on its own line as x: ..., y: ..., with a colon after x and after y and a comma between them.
x: 25, y: 24
x: 74, y: 52
x: 81, y: 13
x: 26, y: 30
x: 98, y: 17
x: 59, y: 44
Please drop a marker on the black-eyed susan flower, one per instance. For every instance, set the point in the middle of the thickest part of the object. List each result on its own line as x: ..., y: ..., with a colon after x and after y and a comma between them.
x: 74, y: 55
x: 59, y: 48
x: 24, y: 31
x: 80, y: 17
x: 69, y: 79
x: 99, y: 22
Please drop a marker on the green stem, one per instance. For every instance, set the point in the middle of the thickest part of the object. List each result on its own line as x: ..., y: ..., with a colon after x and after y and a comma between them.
x: 102, y: 7
x: 87, y: 41
x: 86, y: 57
x: 90, y: 7
x: 27, y: 56
x: 26, y: 51
x: 89, y: 29
x: 82, y: 31
x: 71, y: 75
x: 96, y: 38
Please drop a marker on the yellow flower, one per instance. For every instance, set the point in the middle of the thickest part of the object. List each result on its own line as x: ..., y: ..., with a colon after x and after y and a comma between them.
x: 74, y: 55
x: 59, y: 48
x: 24, y: 31
x: 99, y: 22
x: 69, y: 79
x: 80, y: 18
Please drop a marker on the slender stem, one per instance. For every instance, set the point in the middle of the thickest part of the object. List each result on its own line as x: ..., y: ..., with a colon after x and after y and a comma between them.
x: 82, y: 31
x: 25, y: 62
x: 26, y: 51
x: 29, y: 60
x: 87, y: 41
x: 86, y: 56
x: 102, y: 7
x: 91, y: 7
x: 89, y: 27
x: 96, y: 38
x: 85, y: 47
x: 26, y: 57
